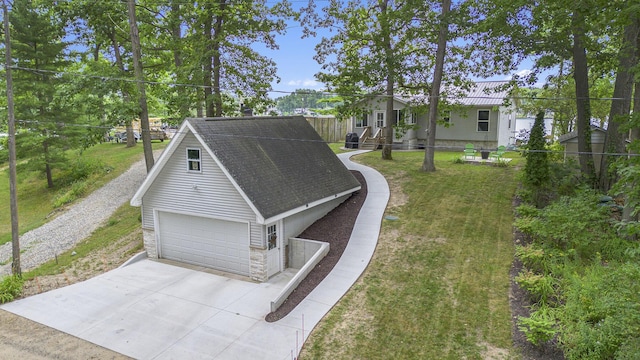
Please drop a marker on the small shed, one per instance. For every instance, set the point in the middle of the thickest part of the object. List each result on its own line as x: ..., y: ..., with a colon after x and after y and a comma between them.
x: 570, y: 143
x: 228, y: 193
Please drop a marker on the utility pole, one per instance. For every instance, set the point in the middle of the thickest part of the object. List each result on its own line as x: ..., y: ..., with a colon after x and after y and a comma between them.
x: 15, y: 239
x: 137, y: 67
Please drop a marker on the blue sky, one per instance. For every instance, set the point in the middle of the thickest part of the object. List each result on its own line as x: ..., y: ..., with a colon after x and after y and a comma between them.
x: 297, y: 68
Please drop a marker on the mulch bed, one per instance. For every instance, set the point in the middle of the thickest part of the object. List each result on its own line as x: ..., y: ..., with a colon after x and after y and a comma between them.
x: 334, y: 228
x: 520, y: 302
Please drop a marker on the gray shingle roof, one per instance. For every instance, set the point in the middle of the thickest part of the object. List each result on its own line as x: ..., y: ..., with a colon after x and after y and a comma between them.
x: 281, y: 163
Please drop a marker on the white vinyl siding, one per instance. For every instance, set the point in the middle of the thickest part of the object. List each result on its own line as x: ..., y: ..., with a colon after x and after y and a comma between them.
x: 207, y: 193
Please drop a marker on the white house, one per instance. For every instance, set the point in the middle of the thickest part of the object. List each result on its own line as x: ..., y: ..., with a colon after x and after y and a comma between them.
x: 484, y: 116
x: 228, y: 193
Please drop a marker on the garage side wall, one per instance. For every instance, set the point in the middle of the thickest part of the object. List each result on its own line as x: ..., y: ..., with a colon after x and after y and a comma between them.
x: 294, y: 225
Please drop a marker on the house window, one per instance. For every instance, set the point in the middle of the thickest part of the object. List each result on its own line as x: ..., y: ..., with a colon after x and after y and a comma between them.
x: 379, y: 119
x: 483, y: 120
x: 401, y: 117
x: 193, y: 160
x: 362, y: 121
x: 413, y: 119
x: 272, y: 237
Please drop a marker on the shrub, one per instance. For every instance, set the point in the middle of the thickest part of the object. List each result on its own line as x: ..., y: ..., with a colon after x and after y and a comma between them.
x: 536, y: 169
x: 540, y: 326
x: 540, y: 287
x: 601, y: 316
x: 576, y: 223
x: 10, y: 288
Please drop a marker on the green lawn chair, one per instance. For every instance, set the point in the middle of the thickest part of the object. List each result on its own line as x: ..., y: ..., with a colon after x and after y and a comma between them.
x: 497, y: 155
x: 469, y: 151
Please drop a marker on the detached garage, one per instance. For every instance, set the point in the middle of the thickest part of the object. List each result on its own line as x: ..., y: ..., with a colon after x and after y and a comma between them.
x: 208, y: 242
x: 228, y: 193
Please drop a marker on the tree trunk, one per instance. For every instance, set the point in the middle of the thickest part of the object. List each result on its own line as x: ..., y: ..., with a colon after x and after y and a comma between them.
x: 217, y: 62
x: 16, y: 269
x: 621, y: 104
x: 131, y: 141
x: 176, y: 36
x: 390, y: 121
x: 137, y: 66
x: 583, y: 105
x: 47, y: 166
x: 429, y: 153
x: 208, y: 67
x: 634, y: 135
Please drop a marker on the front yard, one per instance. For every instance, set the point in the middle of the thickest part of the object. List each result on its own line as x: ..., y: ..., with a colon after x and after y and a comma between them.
x: 438, y: 284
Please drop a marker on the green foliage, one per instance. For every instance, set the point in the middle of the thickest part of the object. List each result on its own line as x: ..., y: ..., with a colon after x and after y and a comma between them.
x: 306, y: 99
x: 536, y: 170
x: 601, y: 318
x: 532, y: 257
x: 74, y: 191
x: 540, y: 326
x: 540, y: 287
x: 10, y: 288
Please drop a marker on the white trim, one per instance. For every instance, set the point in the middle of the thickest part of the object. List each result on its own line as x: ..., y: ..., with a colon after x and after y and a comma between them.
x: 488, y: 121
x: 384, y: 118
x: 307, y: 206
x: 164, y: 158
x: 199, y: 160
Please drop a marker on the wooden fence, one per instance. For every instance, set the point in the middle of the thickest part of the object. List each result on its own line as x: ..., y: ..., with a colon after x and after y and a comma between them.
x: 329, y: 128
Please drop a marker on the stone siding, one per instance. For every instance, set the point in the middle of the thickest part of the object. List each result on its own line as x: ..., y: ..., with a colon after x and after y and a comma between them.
x: 258, y: 266
x: 150, y: 244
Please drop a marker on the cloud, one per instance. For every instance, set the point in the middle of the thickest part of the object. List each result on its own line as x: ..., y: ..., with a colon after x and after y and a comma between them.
x: 305, y: 83
x: 520, y: 74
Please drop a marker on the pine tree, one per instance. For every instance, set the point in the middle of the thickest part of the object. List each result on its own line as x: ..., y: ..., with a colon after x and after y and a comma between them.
x: 43, y: 108
x: 536, y: 169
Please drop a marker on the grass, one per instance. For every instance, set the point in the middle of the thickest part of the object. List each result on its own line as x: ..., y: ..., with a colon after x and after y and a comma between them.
x: 36, y: 201
x: 438, y: 284
x: 124, y: 222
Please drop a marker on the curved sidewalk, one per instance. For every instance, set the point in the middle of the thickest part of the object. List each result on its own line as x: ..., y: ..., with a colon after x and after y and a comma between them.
x: 154, y: 310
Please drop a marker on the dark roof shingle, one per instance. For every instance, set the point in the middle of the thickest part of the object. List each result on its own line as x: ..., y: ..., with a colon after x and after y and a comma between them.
x: 281, y: 163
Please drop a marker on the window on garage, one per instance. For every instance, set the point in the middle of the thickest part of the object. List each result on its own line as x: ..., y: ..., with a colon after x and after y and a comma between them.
x: 272, y: 237
x: 193, y: 160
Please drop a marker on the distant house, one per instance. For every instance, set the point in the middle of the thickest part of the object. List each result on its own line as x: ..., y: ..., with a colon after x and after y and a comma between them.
x: 483, y: 116
x: 228, y: 193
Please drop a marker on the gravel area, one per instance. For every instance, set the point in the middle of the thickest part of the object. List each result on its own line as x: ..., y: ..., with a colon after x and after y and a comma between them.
x: 76, y: 223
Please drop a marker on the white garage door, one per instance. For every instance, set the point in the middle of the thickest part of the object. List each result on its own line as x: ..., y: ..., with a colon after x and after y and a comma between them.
x: 217, y: 244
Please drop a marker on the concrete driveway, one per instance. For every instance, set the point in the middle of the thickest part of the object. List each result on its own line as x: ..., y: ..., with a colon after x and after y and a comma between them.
x: 154, y: 310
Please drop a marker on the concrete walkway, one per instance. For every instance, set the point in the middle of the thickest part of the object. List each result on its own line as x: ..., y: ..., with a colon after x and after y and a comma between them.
x: 153, y: 310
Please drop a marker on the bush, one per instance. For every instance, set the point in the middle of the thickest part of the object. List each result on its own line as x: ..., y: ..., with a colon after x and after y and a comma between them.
x: 10, y: 288
x: 601, y: 317
x: 540, y: 326
x: 576, y: 223
x: 540, y: 287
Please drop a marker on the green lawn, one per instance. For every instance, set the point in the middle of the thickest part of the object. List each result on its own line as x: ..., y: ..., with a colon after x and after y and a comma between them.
x: 438, y: 284
x: 36, y: 201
